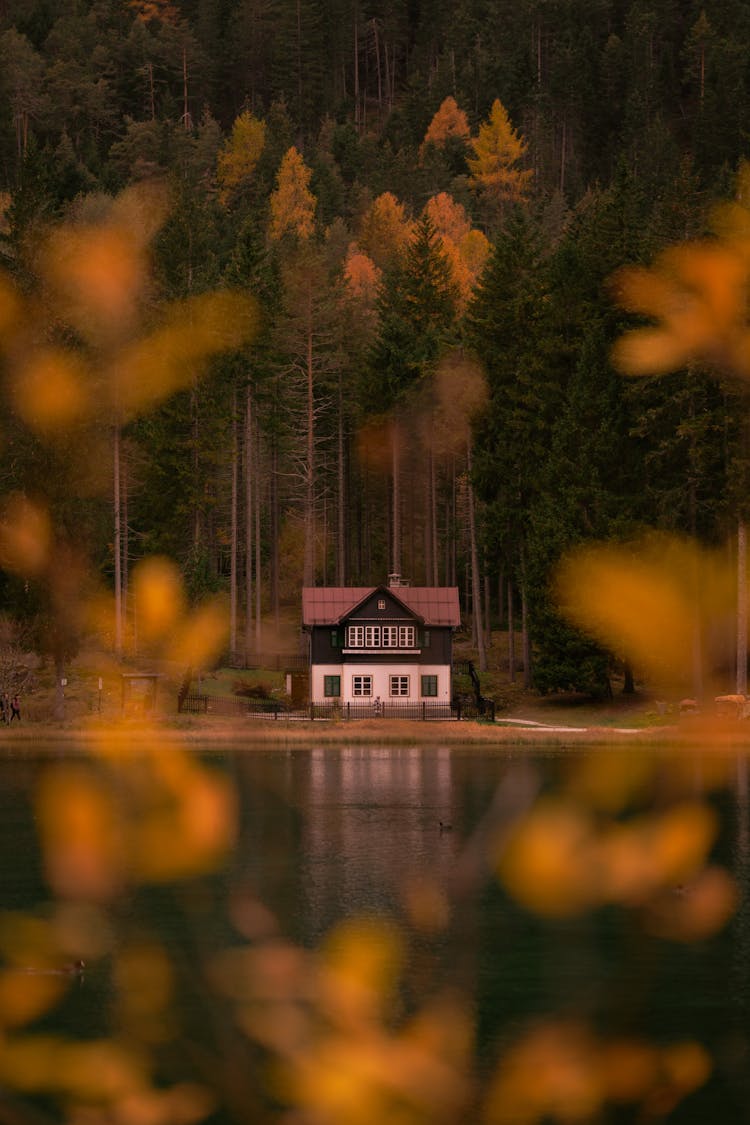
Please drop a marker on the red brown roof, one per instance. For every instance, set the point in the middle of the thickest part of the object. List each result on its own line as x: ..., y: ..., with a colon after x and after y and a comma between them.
x: 329, y: 605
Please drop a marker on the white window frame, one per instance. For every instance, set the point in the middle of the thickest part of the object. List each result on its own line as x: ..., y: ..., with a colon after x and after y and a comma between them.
x: 407, y: 636
x: 355, y: 636
x: 361, y: 687
x: 390, y: 636
x: 372, y: 636
x: 399, y: 686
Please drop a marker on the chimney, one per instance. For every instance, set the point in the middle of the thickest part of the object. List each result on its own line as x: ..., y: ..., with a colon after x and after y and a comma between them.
x: 395, y: 580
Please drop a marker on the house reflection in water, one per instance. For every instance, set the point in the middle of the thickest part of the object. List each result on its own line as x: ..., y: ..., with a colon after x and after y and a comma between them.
x: 373, y: 821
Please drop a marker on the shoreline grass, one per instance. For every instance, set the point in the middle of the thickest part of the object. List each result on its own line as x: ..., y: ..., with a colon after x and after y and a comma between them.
x: 239, y: 733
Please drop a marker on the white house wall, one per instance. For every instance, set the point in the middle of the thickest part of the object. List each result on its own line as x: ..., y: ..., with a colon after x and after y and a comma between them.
x: 381, y: 674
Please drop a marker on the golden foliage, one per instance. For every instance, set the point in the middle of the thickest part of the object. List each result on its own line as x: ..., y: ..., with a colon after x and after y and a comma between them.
x: 239, y: 155
x: 25, y: 537
x: 292, y: 203
x: 449, y: 121
x: 361, y: 274
x: 558, y: 1071
x: 466, y: 249
x: 95, y: 278
x: 385, y: 230
x: 497, y: 149
x: 646, y: 599
x: 697, y: 292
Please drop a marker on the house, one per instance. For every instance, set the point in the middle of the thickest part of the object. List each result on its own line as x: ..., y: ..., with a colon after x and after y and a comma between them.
x: 373, y: 644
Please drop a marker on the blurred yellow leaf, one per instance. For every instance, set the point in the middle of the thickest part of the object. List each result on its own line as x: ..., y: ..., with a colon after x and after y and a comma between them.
x: 25, y: 536
x: 548, y: 864
x: 25, y: 996
x: 50, y: 391
x: 201, y: 637
x: 171, y: 356
x: 645, y: 599
x: 360, y: 962
x: 81, y: 832
x: 158, y: 596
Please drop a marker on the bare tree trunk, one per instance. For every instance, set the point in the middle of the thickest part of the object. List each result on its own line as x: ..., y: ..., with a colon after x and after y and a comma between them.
x: 234, y: 534
x: 308, y: 577
x: 741, y: 608
x: 341, y: 489
x: 117, y: 542
x: 274, y: 565
x: 248, y: 523
x: 487, y: 607
x: 525, y: 639
x: 258, y: 583
x: 435, y: 577
x: 396, y: 498
x: 511, y: 636
x: 356, y: 70
x: 377, y: 60
x: 187, y: 123
x: 125, y: 576
x: 476, y: 584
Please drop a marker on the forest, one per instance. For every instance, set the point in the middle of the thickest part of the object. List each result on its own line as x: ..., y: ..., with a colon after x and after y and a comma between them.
x: 387, y: 231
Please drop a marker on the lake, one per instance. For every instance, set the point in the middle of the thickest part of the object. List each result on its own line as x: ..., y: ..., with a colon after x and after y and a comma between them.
x: 625, y: 995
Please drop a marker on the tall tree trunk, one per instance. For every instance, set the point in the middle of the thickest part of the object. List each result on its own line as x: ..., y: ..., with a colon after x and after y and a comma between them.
x: 435, y: 576
x: 234, y: 534
x: 396, y: 499
x: 258, y: 583
x: 511, y: 636
x: 476, y: 583
x: 117, y: 541
x: 525, y: 639
x: 274, y: 552
x: 248, y: 523
x: 341, y: 489
x: 125, y: 575
x: 741, y: 687
x: 308, y: 577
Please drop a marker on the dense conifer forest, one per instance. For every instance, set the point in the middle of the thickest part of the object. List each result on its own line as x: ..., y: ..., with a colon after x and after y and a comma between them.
x: 425, y: 202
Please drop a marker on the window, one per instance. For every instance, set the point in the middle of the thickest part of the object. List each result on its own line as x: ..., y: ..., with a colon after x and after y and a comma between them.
x: 399, y: 685
x: 335, y: 642
x: 381, y: 603
x: 361, y: 685
x: 355, y: 636
x: 429, y: 685
x: 332, y: 687
x: 379, y: 636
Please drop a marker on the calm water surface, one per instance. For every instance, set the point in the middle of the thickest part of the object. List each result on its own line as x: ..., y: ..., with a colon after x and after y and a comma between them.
x: 333, y: 833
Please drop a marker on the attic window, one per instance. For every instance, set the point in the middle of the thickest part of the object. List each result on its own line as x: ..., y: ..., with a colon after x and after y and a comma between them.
x: 381, y: 603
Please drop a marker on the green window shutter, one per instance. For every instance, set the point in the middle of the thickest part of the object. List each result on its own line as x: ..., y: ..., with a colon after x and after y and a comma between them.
x: 335, y: 639
x: 332, y: 687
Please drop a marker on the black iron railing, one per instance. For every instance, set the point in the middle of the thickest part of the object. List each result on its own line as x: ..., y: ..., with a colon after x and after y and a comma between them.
x: 422, y: 710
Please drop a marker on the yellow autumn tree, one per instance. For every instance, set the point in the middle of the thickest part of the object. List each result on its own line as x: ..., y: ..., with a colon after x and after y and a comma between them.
x: 497, y: 150
x: 449, y: 122
x: 292, y: 202
x: 385, y: 229
x: 239, y: 155
x: 361, y: 274
x: 465, y: 248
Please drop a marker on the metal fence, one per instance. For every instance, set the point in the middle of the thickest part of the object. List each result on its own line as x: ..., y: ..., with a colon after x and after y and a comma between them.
x: 424, y: 711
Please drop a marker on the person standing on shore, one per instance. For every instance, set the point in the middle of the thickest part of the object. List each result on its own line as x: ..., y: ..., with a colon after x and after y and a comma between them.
x: 15, y: 709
